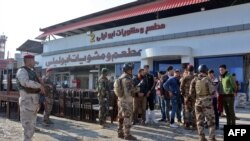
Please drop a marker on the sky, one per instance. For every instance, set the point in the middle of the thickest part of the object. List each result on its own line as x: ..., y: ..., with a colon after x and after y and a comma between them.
x: 21, y: 20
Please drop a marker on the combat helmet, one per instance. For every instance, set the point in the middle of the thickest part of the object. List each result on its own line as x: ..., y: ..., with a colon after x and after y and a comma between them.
x: 202, y: 68
x: 127, y: 66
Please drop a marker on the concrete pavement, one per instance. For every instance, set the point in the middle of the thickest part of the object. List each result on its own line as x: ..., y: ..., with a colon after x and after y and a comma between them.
x: 70, y: 130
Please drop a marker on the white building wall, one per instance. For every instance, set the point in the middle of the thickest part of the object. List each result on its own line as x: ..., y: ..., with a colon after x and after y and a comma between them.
x: 210, y: 45
x: 228, y: 16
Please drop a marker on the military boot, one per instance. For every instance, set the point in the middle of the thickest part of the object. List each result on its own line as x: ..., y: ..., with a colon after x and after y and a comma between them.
x: 121, y: 135
x: 130, y: 137
x: 50, y: 122
x: 46, y: 123
x: 203, y: 139
x: 213, y: 139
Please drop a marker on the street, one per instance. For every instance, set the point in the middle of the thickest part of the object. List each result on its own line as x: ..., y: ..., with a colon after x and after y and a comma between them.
x: 70, y: 130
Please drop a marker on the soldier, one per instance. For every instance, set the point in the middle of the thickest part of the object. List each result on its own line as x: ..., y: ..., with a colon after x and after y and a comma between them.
x: 125, y: 101
x: 202, y: 88
x: 48, y: 97
x: 29, y: 87
x: 103, y: 94
x: 189, y: 118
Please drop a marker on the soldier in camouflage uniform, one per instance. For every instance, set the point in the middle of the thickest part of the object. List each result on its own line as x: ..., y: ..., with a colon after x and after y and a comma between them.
x: 48, y: 97
x: 29, y: 87
x: 189, y: 118
x: 103, y: 94
x: 203, y: 89
x: 125, y: 102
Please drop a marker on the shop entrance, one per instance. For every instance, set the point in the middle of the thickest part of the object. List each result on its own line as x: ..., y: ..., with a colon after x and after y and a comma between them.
x: 162, y: 65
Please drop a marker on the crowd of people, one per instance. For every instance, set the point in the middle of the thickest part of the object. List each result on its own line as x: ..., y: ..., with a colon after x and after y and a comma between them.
x: 196, y: 99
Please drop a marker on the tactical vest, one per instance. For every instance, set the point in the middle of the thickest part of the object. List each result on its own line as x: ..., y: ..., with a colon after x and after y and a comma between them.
x: 32, y: 76
x: 201, y: 86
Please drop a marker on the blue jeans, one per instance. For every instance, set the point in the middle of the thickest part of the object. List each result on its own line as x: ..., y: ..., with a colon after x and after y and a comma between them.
x: 179, y: 108
x: 165, y: 108
x: 175, y: 106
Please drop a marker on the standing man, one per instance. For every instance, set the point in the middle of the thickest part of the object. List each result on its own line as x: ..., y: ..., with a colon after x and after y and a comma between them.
x: 202, y: 88
x: 236, y: 94
x: 125, y: 90
x: 150, y: 87
x: 103, y: 94
x: 189, y: 118
x: 29, y: 88
x: 173, y: 88
x: 140, y: 99
x: 229, y: 89
x: 215, y: 82
x: 165, y: 99
x: 48, y: 97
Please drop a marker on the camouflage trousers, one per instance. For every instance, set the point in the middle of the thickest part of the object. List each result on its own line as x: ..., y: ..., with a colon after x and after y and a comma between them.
x: 104, y: 109
x: 48, y: 105
x: 189, y: 112
x: 29, y: 106
x: 204, y: 109
x: 125, y: 111
x: 139, y: 107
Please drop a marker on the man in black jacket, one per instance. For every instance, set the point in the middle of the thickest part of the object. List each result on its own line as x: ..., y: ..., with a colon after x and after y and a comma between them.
x: 150, y: 85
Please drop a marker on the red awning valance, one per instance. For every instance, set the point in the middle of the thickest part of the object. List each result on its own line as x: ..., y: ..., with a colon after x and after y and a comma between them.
x: 123, y: 14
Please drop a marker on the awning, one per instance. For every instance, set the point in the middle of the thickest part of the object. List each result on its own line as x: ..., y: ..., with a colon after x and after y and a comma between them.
x: 31, y: 46
x: 123, y: 14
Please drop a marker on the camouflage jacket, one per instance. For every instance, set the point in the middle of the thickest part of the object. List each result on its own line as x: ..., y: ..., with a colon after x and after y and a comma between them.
x: 103, y: 86
x: 185, y: 84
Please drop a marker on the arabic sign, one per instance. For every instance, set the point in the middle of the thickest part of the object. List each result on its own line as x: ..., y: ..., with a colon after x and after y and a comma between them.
x: 107, y: 57
x: 125, y: 32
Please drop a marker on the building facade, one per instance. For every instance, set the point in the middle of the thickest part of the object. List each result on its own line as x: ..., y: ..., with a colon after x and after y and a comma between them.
x: 211, y: 37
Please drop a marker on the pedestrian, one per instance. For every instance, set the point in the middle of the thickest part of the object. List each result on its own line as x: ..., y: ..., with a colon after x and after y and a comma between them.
x: 229, y: 89
x: 180, y: 99
x: 189, y: 102
x: 220, y: 98
x: 160, y: 97
x: 29, y: 88
x: 236, y: 94
x: 150, y: 88
x: 202, y: 88
x: 215, y: 95
x: 125, y: 90
x: 48, y: 96
x: 103, y: 95
x: 172, y: 86
x: 165, y: 98
x: 140, y: 99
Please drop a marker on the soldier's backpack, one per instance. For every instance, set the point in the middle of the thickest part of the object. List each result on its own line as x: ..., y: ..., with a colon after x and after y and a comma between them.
x: 202, y: 87
x: 118, y: 88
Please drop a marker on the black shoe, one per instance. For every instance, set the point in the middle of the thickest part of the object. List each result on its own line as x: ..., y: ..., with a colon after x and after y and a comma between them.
x: 162, y: 120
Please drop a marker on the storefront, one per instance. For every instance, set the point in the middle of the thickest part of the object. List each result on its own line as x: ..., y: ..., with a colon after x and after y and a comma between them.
x: 213, y: 37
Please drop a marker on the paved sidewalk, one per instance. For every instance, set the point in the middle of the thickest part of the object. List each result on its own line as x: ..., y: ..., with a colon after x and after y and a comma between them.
x: 70, y: 130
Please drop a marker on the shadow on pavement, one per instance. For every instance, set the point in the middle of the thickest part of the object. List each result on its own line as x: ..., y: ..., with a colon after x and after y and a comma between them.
x: 67, y: 128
